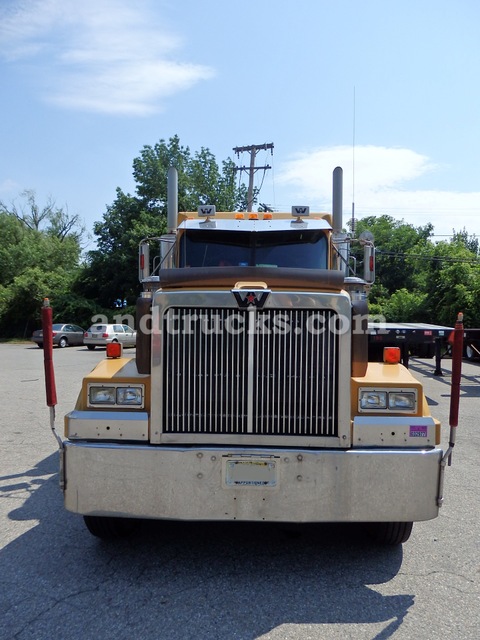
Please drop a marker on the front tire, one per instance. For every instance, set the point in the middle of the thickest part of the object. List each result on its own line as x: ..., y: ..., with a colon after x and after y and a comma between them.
x: 90, y: 347
x: 390, y: 533
x: 62, y: 343
x: 108, y: 528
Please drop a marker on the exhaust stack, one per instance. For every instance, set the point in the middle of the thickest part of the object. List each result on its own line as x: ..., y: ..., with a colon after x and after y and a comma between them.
x: 340, y: 239
x: 172, y: 200
x: 337, y: 200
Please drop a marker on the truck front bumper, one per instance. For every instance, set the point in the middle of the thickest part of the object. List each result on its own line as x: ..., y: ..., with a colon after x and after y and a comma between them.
x: 143, y: 481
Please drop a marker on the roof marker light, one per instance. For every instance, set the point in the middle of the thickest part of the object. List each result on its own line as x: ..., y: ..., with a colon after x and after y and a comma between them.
x: 253, y: 215
x: 239, y: 216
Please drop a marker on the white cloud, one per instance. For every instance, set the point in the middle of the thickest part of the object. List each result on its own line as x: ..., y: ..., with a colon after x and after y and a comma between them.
x: 376, y: 168
x: 379, y: 185
x: 108, y: 56
x: 8, y: 186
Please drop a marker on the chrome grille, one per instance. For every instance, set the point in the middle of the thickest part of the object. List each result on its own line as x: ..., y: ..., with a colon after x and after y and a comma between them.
x: 240, y: 371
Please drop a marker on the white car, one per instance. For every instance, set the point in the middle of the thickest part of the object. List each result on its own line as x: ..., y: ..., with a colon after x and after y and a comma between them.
x: 99, y: 335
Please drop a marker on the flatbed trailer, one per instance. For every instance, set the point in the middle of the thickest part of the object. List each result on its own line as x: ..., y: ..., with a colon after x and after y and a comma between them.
x: 418, y: 338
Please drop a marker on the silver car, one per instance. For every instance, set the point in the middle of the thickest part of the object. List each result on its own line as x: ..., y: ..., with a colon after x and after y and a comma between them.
x: 99, y: 335
x: 64, y: 335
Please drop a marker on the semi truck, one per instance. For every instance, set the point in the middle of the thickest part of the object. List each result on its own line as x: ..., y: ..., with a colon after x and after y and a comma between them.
x: 250, y: 396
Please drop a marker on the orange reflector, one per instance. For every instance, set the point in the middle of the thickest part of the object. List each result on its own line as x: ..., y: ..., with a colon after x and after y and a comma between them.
x: 267, y: 215
x: 114, y: 350
x: 391, y: 355
x: 253, y: 216
x: 239, y: 216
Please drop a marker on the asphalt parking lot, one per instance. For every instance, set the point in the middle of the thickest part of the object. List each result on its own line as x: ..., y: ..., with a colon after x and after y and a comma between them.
x: 215, y: 581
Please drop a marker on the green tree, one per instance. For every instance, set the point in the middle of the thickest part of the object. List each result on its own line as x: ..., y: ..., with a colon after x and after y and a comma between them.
x: 14, y: 247
x: 110, y: 271
x: 394, y: 240
x: 451, y: 277
x: 39, y: 256
x: 418, y: 280
x: 470, y: 242
x: 405, y: 306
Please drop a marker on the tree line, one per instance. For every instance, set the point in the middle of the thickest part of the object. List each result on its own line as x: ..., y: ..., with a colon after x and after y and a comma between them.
x: 419, y: 280
x: 41, y: 250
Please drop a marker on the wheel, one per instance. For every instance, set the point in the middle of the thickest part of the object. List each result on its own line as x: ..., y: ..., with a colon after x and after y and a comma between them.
x: 107, y: 528
x: 390, y: 533
x: 40, y: 345
x: 90, y: 347
x: 63, y: 342
x: 470, y: 352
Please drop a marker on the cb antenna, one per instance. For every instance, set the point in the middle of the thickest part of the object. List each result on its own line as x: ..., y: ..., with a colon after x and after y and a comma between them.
x: 353, y: 168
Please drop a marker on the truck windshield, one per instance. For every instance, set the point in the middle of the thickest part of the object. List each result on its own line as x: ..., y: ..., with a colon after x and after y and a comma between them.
x: 301, y: 249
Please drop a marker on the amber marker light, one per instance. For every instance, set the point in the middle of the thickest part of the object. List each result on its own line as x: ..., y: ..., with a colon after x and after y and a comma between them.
x: 239, y: 216
x: 391, y: 355
x: 253, y: 216
x: 114, y: 350
x: 267, y: 215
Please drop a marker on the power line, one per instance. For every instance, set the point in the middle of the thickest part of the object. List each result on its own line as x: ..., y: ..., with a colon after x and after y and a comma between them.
x: 392, y: 254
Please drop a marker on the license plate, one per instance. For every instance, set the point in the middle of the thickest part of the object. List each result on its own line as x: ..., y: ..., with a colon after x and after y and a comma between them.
x: 251, y: 473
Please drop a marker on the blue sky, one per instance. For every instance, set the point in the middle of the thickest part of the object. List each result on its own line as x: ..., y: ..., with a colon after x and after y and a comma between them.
x: 387, y: 89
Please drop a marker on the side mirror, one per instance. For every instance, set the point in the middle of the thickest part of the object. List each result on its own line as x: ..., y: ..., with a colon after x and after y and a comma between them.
x: 369, y: 263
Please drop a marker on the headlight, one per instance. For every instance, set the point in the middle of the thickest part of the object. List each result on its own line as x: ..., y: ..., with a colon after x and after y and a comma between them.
x: 401, y: 401
x: 377, y: 400
x: 101, y: 395
x: 117, y: 395
x: 129, y: 395
x: 373, y: 400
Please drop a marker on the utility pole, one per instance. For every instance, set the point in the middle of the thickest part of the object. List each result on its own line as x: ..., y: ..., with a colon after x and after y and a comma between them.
x: 252, y: 149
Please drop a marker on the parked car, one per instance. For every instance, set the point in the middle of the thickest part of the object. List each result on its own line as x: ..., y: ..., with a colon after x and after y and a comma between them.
x: 64, y: 335
x: 99, y: 335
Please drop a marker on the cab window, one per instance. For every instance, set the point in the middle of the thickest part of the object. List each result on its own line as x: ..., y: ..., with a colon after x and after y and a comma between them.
x: 305, y: 249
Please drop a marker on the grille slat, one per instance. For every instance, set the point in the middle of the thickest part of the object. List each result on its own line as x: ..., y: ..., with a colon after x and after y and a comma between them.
x: 236, y: 371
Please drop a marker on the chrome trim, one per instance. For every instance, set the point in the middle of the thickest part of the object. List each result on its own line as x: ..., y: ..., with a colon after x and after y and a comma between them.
x: 204, y: 373
x: 106, y: 425
x: 277, y: 224
x: 393, y: 431
x: 250, y: 371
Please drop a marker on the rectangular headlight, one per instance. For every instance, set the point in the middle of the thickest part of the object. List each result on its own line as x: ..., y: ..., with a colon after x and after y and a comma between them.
x: 387, y: 399
x: 404, y: 401
x: 373, y: 400
x: 101, y: 395
x: 129, y: 395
